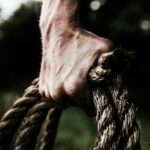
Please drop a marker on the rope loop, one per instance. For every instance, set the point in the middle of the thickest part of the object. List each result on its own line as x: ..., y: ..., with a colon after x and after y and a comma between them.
x: 110, y: 64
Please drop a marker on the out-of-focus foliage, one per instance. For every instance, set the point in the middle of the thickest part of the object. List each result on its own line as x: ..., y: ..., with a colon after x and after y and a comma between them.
x: 126, y: 22
x: 76, y: 131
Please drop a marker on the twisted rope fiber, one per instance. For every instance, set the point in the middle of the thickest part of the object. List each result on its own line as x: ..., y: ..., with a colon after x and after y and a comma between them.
x: 127, y: 135
x: 37, y: 108
x: 10, y: 121
x: 30, y: 129
x: 50, y: 135
x: 109, y: 137
x: 130, y: 127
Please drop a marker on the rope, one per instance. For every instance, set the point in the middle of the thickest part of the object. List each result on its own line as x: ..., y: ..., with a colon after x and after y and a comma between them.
x: 126, y: 113
x: 10, y: 121
x: 115, y: 116
x: 109, y: 137
x: 116, y: 121
x: 29, y: 131
x: 50, y: 129
x: 33, y: 125
x: 31, y: 109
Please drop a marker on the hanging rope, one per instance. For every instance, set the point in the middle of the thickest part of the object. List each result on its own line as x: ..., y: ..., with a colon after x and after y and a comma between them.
x: 10, y: 121
x: 116, y: 121
x: 115, y: 115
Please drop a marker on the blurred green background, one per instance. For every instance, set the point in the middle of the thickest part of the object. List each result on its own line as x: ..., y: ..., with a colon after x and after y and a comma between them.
x: 126, y: 22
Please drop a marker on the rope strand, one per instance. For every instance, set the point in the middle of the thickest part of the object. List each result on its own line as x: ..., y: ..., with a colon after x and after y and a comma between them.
x: 126, y: 113
x: 11, y: 120
x: 29, y: 131
x: 53, y: 119
x: 107, y: 123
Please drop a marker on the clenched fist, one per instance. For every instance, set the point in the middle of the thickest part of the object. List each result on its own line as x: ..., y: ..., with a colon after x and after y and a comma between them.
x: 69, y: 52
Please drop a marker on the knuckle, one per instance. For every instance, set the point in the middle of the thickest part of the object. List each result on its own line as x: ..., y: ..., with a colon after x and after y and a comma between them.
x: 43, y: 90
x: 47, y: 94
x: 55, y: 92
x: 69, y: 88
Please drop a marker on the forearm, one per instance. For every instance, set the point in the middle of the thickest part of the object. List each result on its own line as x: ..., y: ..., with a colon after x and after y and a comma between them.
x: 60, y: 11
x: 57, y: 18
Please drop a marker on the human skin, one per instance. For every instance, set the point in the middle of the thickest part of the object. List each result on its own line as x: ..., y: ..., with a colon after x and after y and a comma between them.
x: 69, y: 52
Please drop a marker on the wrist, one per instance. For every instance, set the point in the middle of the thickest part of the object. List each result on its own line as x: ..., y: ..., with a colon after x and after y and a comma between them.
x: 58, y: 17
x: 63, y: 11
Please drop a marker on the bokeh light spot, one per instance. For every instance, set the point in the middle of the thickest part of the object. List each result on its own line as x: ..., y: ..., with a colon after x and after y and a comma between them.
x: 95, y: 5
x: 145, y: 25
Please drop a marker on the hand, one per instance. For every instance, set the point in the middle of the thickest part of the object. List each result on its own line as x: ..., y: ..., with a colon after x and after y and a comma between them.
x: 68, y: 56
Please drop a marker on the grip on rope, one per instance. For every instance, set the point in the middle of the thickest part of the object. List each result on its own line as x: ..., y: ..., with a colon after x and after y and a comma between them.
x: 116, y: 122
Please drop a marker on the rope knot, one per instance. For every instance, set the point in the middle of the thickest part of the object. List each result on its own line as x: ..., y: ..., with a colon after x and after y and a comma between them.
x: 110, y: 64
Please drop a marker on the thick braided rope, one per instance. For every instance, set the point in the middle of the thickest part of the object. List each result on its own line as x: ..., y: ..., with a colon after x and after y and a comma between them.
x: 32, y: 109
x: 126, y: 113
x: 10, y: 121
x: 30, y: 129
x: 126, y: 127
x: 53, y: 118
x: 109, y: 136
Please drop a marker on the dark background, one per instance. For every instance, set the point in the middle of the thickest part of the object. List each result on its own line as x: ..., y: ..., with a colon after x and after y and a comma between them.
x: 126, y: 22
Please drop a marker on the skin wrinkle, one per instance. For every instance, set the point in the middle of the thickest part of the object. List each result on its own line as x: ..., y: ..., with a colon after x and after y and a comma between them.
x: 69, y: 52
